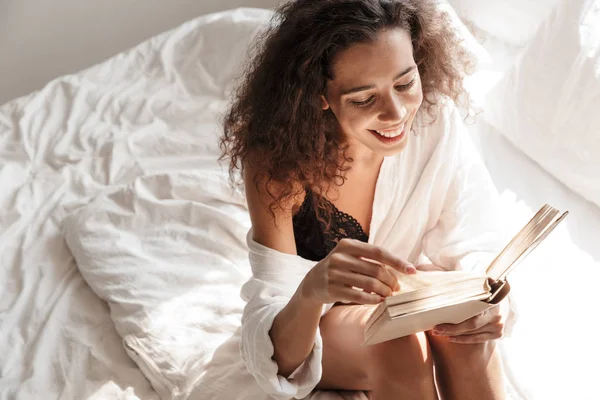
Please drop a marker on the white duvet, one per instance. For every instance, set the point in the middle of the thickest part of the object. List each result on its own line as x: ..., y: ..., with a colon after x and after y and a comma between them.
x: 144, y: 124
x: 149, y: 110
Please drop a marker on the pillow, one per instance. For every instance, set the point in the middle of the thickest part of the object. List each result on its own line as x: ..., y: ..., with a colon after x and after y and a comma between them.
x: 548, y: 103
x: 513, y: 21
x: 469, y: 41
x: 479, y: 82
x: 168, y: 253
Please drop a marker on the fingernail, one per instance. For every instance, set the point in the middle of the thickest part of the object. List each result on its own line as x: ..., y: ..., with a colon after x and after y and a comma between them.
x: 397, y: 287
x: 411, y: 269
x: 438, y: 332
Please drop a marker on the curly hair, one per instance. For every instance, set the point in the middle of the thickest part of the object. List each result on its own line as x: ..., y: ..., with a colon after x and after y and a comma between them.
x: 276, y: 124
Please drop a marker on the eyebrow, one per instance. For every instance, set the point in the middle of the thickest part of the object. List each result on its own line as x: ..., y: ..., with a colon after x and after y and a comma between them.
x: 368, y: 87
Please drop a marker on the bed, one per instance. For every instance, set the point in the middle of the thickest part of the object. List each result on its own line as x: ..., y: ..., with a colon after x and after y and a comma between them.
x: 132, y: 144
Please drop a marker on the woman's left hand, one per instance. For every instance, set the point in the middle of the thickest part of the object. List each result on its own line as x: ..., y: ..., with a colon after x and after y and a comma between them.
x: 486, y: 326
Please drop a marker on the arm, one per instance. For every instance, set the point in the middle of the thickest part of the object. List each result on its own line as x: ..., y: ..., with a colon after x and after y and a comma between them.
x: 293, y: 332
x: 295, y: 326
x: 281, y: 344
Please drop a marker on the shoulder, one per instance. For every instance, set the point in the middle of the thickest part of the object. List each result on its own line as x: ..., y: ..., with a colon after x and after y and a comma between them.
x: 440, y: 119
x: 437, y: 141
x: 271, y: 206
x: 436, y: 127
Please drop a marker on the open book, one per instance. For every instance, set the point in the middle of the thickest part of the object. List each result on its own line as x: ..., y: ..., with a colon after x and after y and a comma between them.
x: 427, y: 299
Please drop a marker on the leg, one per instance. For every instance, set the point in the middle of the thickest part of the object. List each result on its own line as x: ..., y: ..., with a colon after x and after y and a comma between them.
x: 467, y: 371
x: 398, y: 369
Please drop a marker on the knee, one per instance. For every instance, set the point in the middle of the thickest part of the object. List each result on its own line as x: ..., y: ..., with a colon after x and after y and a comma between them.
x: 405, y: 360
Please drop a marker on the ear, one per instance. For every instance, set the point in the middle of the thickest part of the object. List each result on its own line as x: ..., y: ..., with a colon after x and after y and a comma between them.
x: 324, y: 103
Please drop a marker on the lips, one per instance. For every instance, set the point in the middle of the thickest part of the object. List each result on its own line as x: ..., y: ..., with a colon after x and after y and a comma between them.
x: 390, y: 137
x: 391, y: 132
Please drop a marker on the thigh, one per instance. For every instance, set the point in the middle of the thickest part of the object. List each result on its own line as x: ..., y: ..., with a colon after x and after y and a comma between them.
x: 344, y: 359
x: 347, y: 365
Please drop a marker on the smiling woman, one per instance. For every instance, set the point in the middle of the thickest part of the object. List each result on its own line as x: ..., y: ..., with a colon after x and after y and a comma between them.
x: 375, y: 114
x: 325, y: 108
x: 277, y: 123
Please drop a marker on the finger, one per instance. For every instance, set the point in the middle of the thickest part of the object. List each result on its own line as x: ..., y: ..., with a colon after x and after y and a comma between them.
x: 468, y: 326
x: 373, y: 270
x: 494, y: 325
x: 357, y: 249
x: 341, y: 261
x: 367, y: 283
x: 475, y: 338
x: 344, y: 293
x: 370, y: 269
x: 484, y: 329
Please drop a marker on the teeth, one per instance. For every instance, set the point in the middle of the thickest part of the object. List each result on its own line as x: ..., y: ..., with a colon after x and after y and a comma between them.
x: 392, y: 134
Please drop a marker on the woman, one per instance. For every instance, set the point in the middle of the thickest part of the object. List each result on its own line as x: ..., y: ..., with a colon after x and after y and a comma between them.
x: 337, y: 88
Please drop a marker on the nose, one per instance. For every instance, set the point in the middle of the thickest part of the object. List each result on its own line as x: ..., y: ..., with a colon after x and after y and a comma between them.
x: 393, y: 110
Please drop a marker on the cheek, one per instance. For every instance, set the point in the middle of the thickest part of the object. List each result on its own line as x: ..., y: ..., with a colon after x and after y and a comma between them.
x: 351, y: 119
x: 357, y: 121
x: 415, y: 94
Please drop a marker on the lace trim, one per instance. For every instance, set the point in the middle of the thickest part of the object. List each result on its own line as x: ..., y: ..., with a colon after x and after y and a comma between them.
x: 343, y: 225
x: 312, y: 242
x: 343, y: 220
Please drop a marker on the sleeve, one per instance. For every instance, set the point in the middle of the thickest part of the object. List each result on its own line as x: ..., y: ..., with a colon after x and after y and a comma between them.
x: 266, y: 294
x: 470, y: 231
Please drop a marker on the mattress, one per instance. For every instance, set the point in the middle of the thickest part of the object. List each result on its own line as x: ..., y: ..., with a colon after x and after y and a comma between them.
x: 149, y: 110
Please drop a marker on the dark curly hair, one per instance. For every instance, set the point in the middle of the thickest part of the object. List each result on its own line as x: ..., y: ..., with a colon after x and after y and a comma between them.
x: 276, y: 125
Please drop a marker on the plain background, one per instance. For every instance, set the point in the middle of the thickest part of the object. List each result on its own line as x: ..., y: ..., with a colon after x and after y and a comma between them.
x: 43, y: 39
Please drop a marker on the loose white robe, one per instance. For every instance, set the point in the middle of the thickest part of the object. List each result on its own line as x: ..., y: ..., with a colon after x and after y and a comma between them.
x: 433, y: 202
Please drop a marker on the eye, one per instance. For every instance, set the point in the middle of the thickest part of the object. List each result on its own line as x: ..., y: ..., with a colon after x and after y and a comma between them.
x: 407, y: 86
x: 363, y: 103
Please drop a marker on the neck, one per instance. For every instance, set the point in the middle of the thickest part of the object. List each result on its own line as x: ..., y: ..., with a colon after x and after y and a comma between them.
x: 363, y: 156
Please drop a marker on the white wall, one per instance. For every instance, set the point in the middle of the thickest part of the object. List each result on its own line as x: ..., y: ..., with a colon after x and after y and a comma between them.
x: 43, y: 39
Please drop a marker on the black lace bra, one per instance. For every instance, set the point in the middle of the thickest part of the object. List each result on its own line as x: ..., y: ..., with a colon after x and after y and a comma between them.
x: 312, y: 242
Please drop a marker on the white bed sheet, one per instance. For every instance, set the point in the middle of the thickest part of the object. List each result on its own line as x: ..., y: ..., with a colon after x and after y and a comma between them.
x: 101, y: 128
x: 152, y: 109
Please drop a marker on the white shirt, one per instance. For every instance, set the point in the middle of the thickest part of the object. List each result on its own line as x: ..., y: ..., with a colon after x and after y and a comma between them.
x: 434, y: 201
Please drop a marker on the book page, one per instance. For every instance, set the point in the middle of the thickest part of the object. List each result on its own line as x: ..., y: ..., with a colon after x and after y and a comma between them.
x: 426, y: 284
x: 534, y: 232
x: 432, y: 278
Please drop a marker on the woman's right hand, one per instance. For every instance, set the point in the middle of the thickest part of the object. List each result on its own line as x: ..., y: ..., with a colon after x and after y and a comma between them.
x: 353, y: 263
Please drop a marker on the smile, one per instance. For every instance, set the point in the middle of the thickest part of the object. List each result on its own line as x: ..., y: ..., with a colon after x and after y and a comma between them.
x: 389, y: 135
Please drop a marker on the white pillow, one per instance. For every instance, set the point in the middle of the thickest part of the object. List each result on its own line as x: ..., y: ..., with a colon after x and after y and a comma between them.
x: 548, y: 104
x: 168, y: 253
x: 513, y: 21
x: 469, y: 41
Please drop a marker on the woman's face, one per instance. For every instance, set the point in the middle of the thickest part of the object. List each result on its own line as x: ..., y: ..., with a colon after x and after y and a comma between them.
x: 376, y: 92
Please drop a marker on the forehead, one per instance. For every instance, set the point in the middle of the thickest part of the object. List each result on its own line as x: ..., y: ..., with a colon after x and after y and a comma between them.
x: 390, y: 53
